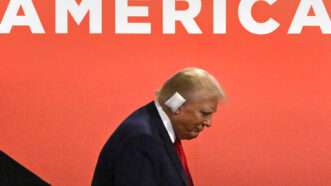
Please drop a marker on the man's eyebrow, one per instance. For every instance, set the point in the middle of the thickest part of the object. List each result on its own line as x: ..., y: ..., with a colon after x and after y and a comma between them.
x: 207, y: 112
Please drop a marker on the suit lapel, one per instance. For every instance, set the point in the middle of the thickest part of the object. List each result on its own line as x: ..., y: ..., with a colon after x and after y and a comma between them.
x: 169, y: 146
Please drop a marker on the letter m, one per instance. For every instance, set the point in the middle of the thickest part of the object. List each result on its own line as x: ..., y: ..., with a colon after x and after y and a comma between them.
x: 78, y: 12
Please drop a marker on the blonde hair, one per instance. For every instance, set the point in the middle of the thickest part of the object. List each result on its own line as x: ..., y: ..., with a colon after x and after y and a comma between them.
x: 188, y: 81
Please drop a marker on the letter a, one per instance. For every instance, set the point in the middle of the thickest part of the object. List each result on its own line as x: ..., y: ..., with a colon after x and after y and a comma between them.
x: 30, y: 18
x: 302, y: 19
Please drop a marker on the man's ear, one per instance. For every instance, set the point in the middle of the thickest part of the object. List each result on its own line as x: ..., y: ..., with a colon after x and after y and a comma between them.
x: 175, y: 102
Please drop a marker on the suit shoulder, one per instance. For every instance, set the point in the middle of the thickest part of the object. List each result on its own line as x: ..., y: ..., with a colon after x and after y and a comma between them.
x: 140, y: 122
x: 144, y: 122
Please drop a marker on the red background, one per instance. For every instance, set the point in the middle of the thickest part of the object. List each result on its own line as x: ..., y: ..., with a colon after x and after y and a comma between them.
x: 61, y: 96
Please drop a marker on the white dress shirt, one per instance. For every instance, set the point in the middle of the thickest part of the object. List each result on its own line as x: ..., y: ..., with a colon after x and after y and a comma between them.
x: 166, y: 121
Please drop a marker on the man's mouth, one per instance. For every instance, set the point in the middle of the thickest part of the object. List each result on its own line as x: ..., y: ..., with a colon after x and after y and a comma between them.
x: 198, y: 130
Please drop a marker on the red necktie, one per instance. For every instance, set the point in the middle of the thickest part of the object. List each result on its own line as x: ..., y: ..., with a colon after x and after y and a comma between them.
x: 181, y: 154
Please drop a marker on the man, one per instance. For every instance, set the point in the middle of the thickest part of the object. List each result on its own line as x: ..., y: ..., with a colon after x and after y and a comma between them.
x: 145, y: 150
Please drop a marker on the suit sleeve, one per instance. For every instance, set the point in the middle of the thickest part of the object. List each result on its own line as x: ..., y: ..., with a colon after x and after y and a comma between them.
x: 138, y: 164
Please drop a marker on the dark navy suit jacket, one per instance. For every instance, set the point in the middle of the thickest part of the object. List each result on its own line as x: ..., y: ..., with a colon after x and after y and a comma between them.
x: 140, y: 153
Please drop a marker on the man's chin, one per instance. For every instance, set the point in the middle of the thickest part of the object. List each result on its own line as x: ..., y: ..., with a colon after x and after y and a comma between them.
x: 192, y: 135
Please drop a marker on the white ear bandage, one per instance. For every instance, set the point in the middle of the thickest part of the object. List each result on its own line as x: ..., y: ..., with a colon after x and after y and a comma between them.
x: 175, y: 101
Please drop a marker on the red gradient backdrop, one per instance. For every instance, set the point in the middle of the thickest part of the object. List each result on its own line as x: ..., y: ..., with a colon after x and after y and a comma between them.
x: 61, y: 96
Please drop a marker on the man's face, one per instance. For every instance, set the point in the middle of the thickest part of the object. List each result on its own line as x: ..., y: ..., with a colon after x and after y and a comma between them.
x: 194, y: 115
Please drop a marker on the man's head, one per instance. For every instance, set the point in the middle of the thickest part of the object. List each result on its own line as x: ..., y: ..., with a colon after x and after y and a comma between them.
x: 202, y: 94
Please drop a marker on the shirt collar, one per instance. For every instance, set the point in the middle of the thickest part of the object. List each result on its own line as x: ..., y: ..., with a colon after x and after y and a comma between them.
x: 166, y: 121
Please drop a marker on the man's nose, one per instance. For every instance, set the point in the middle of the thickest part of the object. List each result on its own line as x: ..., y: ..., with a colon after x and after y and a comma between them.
x: 207, y: 122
